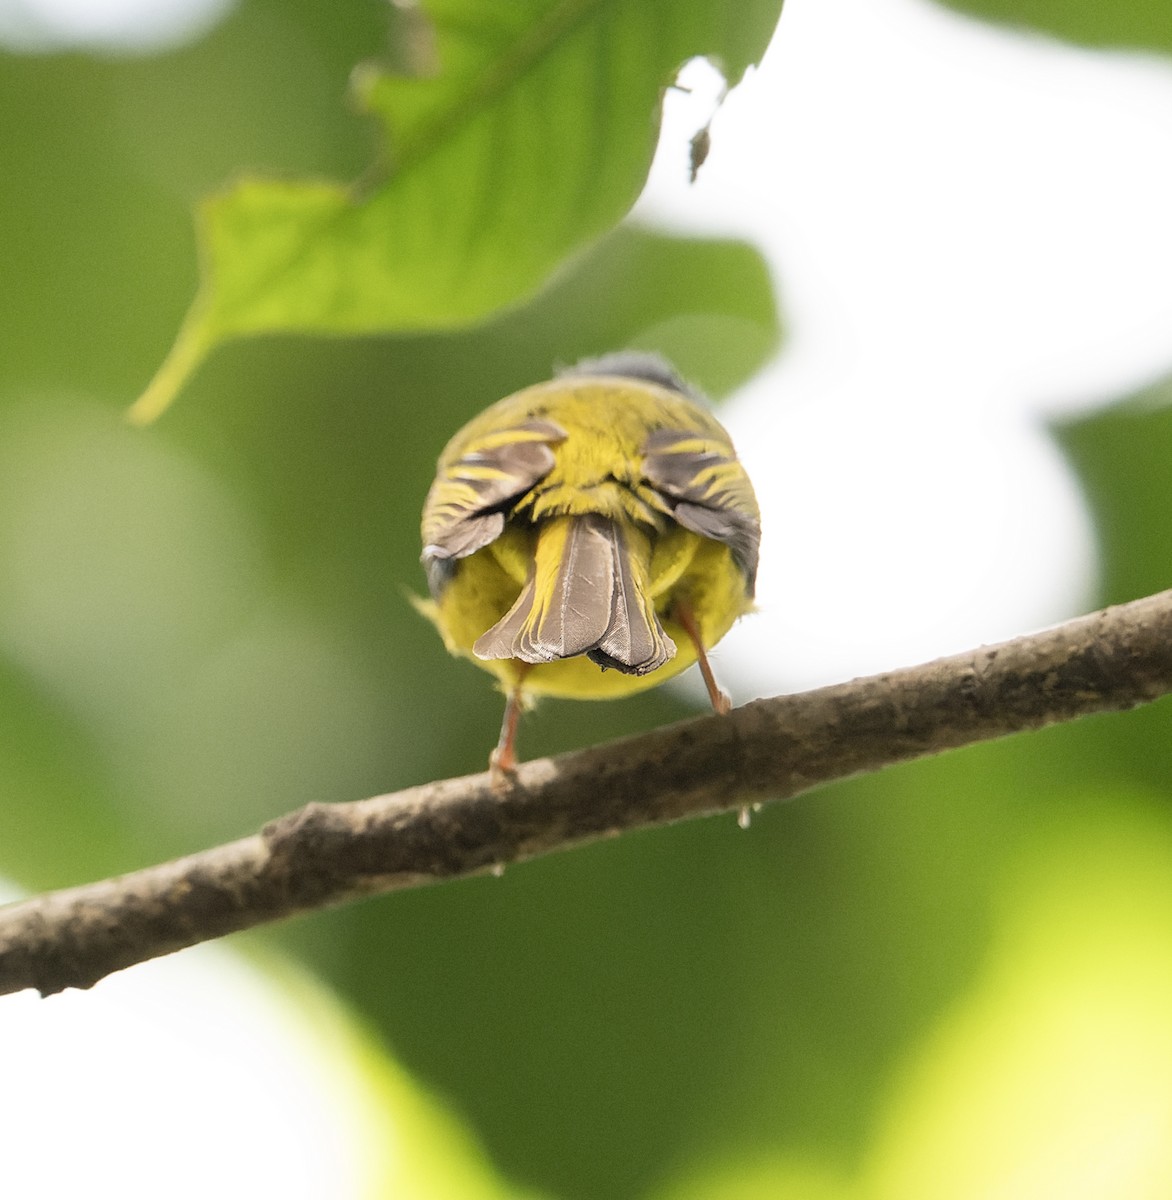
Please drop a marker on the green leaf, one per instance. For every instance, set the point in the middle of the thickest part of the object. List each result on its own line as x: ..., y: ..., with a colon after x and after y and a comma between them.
x: 1123, y: 455
x: 534, y: 136
x: 777, y: 1176
x: 410, y: 1144
x: 59, y: 810
x: 1053, y: 1075
x: 708, y: 305
x: 1137, y: 24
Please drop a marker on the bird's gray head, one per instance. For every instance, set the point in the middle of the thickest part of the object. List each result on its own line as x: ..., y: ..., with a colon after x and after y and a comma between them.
x: 634, y: 364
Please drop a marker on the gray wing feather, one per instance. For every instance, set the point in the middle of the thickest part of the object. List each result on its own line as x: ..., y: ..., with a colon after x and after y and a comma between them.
x: 466, y: 507
x: 707, y: 491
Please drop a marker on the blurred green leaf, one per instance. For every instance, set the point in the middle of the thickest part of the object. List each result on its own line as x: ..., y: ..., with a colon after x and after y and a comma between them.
x: 1053, y: 1077
x: 1123, y: 455
x: 57, y: 808
x: 103, y: 158
x: 1135, y: 24
x: 776, y: 1178
x: 530, y: 132
x: 413, y: 1146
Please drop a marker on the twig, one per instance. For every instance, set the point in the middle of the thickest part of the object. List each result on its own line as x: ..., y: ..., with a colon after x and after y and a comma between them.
x: 323, y: 855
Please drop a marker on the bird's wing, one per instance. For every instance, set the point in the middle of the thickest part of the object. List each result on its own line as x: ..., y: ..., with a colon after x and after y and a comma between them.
x: 706, y: 490
x: 469, y: 500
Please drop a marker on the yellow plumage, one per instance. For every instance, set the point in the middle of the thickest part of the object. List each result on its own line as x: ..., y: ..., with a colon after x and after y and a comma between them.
x: 600, y: 520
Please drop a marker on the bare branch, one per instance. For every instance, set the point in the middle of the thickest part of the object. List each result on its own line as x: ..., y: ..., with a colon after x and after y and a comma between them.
x: 775, y: 749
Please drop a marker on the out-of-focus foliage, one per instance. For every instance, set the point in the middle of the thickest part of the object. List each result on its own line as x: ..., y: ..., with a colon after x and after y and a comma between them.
x: 413, y: 1147
x: 1047, y: 1076
x: 1050, y: 1077
x: 202, y: 625
x: 513, y: 133
x: 1131, y: 24
x: 1124, y: 456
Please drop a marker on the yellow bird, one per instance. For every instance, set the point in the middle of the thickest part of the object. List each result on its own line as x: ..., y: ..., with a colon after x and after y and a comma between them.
x: 590, y: 537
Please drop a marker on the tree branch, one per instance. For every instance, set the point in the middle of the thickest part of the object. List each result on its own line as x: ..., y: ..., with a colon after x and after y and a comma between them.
x: 323, y: 855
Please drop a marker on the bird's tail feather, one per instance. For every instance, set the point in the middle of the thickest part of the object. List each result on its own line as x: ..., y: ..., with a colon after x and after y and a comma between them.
x: 589, y: 594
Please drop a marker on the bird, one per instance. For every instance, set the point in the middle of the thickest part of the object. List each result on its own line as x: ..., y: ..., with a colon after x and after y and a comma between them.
x: 589, y: 537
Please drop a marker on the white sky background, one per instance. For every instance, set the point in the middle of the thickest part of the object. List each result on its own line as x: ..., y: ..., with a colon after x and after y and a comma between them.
x: 190, y: 1077
x: 971, y: 232
x: 115, y: 25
